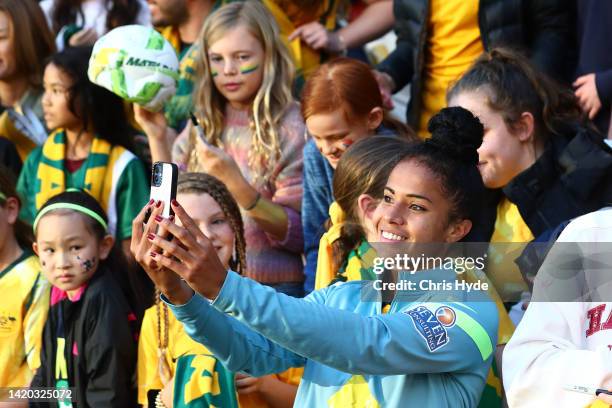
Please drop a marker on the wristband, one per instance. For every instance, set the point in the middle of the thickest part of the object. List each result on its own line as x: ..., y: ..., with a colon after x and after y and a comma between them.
x: 255, y: 202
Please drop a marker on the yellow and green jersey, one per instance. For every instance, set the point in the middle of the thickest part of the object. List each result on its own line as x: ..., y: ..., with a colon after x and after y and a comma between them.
x: 200, y: 380
x: 23, y: 312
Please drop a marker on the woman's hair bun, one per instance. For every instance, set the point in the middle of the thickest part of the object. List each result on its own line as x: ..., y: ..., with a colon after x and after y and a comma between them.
x: 456, y: 132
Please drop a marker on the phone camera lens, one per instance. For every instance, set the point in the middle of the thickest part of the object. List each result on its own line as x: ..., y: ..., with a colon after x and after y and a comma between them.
x: 157, y: 175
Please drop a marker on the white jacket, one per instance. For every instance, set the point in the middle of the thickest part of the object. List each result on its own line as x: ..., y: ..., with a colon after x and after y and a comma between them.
x: 563, y: 343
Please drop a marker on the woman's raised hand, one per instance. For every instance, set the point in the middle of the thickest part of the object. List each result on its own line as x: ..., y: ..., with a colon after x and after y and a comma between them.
x: 169, y: 283
x: 190, y: 254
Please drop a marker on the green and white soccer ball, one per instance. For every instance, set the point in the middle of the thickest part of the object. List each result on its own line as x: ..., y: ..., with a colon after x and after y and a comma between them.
x: 136, y: 63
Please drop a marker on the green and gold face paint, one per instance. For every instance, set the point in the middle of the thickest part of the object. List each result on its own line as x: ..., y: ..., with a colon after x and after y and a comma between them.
x: 214, y: 72
x: 248, y: 68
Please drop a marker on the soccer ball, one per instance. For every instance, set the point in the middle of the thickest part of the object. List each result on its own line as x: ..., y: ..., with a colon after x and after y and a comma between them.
x: 136, y: 63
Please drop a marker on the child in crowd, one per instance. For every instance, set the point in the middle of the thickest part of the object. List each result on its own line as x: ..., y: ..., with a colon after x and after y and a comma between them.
x: 89, y: 341
x: 166, y: 353
x: 394, y: 360
x: 253, y: 136
x: 25, y: 293
x: 363, y: 170
x: 341, y: 105
x: 541, y: 164
x: 87, y: 148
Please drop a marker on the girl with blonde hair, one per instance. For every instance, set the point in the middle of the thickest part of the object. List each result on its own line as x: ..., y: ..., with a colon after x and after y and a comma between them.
x: 252, y: 136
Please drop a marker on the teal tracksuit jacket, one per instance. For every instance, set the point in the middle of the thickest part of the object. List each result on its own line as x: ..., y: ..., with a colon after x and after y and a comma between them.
x: 424, y: 352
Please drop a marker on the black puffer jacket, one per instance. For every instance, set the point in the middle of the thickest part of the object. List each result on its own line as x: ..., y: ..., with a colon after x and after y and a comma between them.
x: 540, y: 27
x: 571, y: 178
x: 101, y: 349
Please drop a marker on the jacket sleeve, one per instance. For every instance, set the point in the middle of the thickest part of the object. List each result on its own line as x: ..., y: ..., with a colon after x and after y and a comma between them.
x: 545, y: 354
x: 391, y: 344
x: 287, y: 179
x: 315, y: 204
x: 237, y: 346
x: 547, y: 25
x: 603, y: 82
x: 399, y: 64
x: 110, y: 356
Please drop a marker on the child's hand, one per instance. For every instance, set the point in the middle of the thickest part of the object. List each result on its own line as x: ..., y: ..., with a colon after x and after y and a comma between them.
x: 245, y: 384
x: 586, y: 92
x: 218, y: 163
x: 317, y: 37
x: 145, y: 253
x: 386, y: 85
x: 154, y: 124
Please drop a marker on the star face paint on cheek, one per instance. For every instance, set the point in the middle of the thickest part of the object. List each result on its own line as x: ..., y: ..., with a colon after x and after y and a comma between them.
x: 248, y: 68
x: 87, y: 264
x: 214, y: 72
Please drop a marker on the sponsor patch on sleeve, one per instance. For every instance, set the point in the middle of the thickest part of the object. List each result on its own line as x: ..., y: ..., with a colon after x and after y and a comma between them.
x: 432, y: 325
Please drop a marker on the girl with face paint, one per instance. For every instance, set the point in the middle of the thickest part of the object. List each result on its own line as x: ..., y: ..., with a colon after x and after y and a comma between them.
x: 253, y: 136
x: 89, y: 341
x: 341, y: 104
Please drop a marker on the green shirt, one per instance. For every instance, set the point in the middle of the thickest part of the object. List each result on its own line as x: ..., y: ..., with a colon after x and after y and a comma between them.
x: 132, y: 191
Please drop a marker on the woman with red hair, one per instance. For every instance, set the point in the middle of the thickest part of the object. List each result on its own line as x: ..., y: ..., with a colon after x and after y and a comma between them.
x: 341, y: 104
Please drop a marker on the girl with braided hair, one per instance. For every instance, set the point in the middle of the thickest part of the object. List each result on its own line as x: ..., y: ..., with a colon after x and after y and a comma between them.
x: 166, y: 354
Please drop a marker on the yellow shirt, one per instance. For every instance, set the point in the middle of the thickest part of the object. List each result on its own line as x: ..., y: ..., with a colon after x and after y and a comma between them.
x: 289, y: 17
x: 508, y: 241
x: 23, y: 313
x: 453, y: 43
x: 179, y: 344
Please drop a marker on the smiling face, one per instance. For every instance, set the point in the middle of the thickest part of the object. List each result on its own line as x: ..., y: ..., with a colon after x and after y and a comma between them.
x: 333, y: 134
x: 414, y: 208
x: 212, y: 221
x: 68, y: 250
x: 236, y: 66
x: 56, y: 99
x: 502, y: 155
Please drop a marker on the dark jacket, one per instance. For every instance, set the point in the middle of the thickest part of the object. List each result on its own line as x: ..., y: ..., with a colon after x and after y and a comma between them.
x: 100, y: 347
x: 538, y: 26
x: 594, y: 33
x: 9, y: 156
x: 572, y: 177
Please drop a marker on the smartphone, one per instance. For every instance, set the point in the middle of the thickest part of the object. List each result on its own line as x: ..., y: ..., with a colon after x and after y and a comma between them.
x: 163, y: 185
